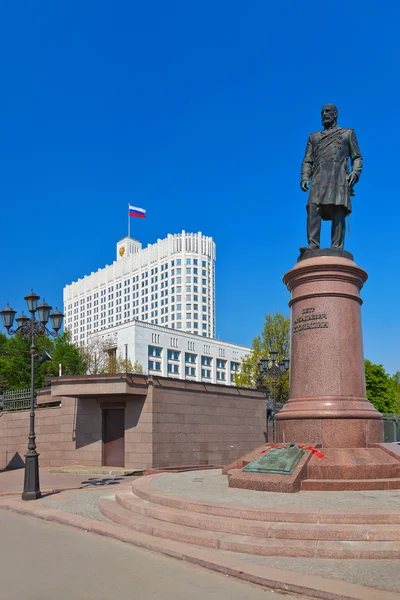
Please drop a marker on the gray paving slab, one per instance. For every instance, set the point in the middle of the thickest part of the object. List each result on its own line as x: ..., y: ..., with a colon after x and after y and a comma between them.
x: 47, y: 561
x: 79, y: 502
x: 213, y: 486
x: 11, y: 481
x: 381, y: 574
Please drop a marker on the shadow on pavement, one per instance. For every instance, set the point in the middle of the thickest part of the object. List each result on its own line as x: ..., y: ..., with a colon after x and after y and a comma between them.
x: 47, y: 494
x: 101, y: 481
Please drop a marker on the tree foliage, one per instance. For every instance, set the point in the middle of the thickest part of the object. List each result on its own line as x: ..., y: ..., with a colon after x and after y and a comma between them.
x: 100, y: 359
x: 274, y: 336
x: 396, y: 384
x: 137, y: 368
x: 66, y: 354
x: 96, y: 358
x: 15, y: 360
x: 383, y: 391
x: 124, y: 365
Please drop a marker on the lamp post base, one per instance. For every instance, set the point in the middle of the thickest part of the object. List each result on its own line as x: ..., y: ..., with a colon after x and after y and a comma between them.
x: 31, y: 479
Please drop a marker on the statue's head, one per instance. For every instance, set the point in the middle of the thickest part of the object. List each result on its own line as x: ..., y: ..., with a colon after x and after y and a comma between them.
x: 329, y: 115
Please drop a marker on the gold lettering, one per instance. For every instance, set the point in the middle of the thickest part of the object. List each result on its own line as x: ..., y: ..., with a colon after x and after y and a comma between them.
x: 303, y: 323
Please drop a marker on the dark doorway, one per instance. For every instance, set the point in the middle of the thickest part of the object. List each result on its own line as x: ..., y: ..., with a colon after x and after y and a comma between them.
x: 113, y: 437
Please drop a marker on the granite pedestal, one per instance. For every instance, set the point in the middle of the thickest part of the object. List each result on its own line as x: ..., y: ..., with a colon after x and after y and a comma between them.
x: 327, y: 401
x: 327, y: 406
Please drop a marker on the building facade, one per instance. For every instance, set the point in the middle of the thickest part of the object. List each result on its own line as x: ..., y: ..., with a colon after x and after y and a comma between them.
x: 170, y: 283
x: 136, y: 422
x: 166, y: 352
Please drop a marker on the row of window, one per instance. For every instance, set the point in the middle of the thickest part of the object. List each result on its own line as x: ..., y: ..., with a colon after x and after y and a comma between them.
x: 110, y: 295
x: 154, y: 271
x: 135, y: 294
x: 190, y: 371
x: 191, y: 358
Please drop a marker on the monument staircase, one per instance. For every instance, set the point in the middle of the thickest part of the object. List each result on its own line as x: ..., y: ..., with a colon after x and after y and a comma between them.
x: 262, y: 531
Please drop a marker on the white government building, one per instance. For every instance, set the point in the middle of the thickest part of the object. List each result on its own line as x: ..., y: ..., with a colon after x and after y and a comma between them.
x: 171, y: 353
x: 156, y: 305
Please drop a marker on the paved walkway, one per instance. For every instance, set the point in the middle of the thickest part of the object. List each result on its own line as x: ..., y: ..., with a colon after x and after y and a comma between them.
x: 46, y: 561
x: 212, y: 486
x: 381, y: 574
x: 12, y: 482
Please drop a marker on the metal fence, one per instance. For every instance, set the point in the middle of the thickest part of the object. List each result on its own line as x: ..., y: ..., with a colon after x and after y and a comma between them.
x: 16, y: 400
x: 391, y: 427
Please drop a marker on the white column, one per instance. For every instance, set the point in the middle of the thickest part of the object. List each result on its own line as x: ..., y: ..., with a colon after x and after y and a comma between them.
x: 182, y: 365
x: 198, y: 367
x: 164, y: 361
x: 214, y: 370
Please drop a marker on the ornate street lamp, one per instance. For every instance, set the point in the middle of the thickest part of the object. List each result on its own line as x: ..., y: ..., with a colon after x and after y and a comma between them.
x: 56, y: 319
x: 22, y: 320
x: 44, y: 311
x: 269, y: 366
x: 30, y: 328
x: 7, y: 315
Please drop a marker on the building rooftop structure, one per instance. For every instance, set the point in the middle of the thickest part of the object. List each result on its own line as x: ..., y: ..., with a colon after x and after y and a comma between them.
x: 169, y: 283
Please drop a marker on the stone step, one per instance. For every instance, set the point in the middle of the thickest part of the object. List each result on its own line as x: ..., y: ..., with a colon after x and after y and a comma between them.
x: 248, y: 544
x: 144, y: 489
x: 343, y: 485
x: 275, y: 530
x: 189, y: 535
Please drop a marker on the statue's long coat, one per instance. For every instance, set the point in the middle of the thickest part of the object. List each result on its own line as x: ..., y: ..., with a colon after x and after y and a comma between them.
x: 326, y: 162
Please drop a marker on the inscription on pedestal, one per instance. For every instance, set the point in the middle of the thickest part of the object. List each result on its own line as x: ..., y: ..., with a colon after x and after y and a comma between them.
x: 310, y: 320
x: 278, y: 461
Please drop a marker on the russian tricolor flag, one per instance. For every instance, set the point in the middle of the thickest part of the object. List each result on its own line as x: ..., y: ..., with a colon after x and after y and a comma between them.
x: 134, y: 211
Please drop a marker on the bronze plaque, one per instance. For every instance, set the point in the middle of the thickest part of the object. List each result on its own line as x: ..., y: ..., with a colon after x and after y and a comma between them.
x: 277, y: 461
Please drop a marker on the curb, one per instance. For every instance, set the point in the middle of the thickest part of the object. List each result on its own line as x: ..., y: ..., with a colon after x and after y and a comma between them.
x: 278, y: 580
x: 49, y: 491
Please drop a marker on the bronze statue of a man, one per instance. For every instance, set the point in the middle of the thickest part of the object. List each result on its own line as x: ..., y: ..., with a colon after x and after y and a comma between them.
x: 326, y: 163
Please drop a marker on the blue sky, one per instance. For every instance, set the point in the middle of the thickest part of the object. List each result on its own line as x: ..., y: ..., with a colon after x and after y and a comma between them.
x: 200, y: 113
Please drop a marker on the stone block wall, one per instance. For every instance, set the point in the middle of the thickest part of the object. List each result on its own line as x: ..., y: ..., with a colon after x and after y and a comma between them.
x: 196, y: 424
x: 139, y: 432
x: 66, y: 435
x: 168, y: 423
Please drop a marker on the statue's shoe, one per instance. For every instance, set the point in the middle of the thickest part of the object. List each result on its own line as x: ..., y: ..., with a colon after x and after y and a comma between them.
x: 304, y: 248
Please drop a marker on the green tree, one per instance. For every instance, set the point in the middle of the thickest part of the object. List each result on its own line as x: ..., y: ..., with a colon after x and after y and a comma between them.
x: 124, y: 365
x: 14, y: 363
x: 66, y: 354
x: 137, y: 368
x: 15, y: 360
x: 274, y: 336
x: 381, y: 388
x: 396, y: 385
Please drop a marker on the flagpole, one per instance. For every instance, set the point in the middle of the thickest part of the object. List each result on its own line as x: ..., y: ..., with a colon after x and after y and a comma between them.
x: 129, y: 223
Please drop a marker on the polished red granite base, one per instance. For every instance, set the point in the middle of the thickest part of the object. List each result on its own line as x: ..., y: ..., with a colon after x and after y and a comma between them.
x: 342, y: 469
x: 264, y: 482
x: 327, y: 400
x: 331, y: 433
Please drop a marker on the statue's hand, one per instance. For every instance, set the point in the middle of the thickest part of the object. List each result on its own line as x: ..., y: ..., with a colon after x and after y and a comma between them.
x: 352, y: 179
x: 304, y: 185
